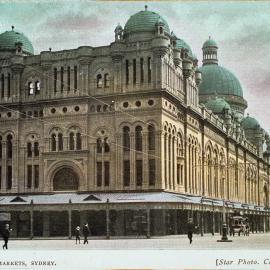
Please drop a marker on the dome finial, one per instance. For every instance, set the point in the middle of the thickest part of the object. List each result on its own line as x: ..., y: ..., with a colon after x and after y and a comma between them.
x: 12, y: 27
x: 145, y: 7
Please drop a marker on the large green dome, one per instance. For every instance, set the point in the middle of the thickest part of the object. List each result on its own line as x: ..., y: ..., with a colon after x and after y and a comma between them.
x: 219, y: 80
x: 217, y: 105
x: 144, y: 21
x: 8, y: 40
x: 250, y: 123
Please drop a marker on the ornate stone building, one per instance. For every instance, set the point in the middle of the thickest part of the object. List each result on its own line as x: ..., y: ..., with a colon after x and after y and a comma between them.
x: 132, y: 137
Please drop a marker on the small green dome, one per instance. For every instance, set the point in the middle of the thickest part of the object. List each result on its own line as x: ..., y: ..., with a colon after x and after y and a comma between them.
x: 209, y: 43
x: 8, y: 40
x: 219, y: 80
x: 217, y: 105
x: 250, y: 123
x: 181, y: 44
x: 145, y: 21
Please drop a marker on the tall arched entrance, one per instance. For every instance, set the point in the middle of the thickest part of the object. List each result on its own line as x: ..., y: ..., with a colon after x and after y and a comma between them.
x: 65, y: 179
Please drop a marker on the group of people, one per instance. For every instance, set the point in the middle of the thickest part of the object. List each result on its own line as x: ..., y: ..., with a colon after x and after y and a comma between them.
x: 85, y: 231
x: 5, y: 232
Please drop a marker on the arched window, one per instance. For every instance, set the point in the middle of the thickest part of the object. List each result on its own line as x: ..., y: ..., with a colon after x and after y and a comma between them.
x: 78, y: 141
x: 62, y: 78
x: 99, y: 146
x: 9, y: 146
x: 37, y: 87
x: 60, y: 142
x: 106, y: 80
x: 106, y: 146
x: 151, y: 137
x: 68, y: 78
x: 99, y: 81
x: 127, y: 72
x: 138, y: 138
x: 36, y: 149
x: 0, y: 147
x: 126, y: 139
x: 53, y: 142
x: 30, y: 88
x: 71, y: 141
x: 29, y: 149
x: 75, y: 78
x: 8, y: 85
x: 55, y: 79
x: 2, y: 85
x: 160, y: 30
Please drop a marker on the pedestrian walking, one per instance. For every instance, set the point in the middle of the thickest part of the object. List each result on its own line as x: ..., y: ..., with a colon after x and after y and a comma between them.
x: 6, y: 233
x: 86, y: 233
x: 78, y: 234
x: 190, y: 229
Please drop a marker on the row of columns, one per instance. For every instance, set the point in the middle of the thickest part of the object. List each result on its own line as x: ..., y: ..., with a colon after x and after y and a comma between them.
x: 207, y: 221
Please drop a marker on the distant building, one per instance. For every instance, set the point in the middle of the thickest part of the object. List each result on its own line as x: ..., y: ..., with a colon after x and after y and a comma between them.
x: 132, y: 137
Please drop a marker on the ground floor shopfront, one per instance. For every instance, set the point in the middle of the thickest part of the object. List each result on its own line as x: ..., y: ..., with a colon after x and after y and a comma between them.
x: 119, y: 215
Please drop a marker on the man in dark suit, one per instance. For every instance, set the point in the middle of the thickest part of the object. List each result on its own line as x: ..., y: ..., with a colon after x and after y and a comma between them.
x: 190, y: 229
x: 86, y: 232
x: 6, y: 233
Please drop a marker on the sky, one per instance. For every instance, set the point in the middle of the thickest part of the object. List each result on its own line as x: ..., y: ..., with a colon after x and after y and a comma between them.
x: 241, y: 30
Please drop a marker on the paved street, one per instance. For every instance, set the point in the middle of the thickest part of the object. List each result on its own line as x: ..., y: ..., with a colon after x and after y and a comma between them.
x: 254, y: 241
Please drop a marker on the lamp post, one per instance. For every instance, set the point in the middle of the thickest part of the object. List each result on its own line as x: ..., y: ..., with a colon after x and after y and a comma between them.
x: 224, y: 237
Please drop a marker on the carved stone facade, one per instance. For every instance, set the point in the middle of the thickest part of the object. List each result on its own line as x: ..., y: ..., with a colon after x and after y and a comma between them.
x: 120, y: 118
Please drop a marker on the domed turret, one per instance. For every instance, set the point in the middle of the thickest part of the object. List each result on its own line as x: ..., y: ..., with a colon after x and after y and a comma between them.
x: 217, y: 80
x: 210, y: 52
x: 14, y: 41
x: 250, y: 123
x: 217, y: 105
x: 181, y: 44
x: 254, y: 133
x: 145, y: 21
x: 118, y: 32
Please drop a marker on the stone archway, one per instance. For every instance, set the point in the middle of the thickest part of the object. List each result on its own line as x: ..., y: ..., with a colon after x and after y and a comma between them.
x: 65, y: 179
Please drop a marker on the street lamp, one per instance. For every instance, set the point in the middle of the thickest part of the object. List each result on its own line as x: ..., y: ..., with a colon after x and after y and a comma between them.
x: 224, y: 237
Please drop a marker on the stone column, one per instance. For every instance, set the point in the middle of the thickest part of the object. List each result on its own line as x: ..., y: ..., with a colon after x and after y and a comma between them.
x: 171, y: 163
x: 175, y: 164
x: 108, y: 221
x: 145, y: 183
x: 31, y: 224
x: 175, y: 221
x: 132, y: 161
x: 119, y: 162
x: 65, y: 143
x: 160, y: 163
x: 14, y: 164
x: 202, y: 222
x: 164, y: 221
x: 69, y: 224
x: 167, y: 162
x: 213, y: 222
x: 148, y: 223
